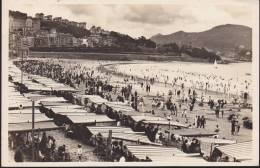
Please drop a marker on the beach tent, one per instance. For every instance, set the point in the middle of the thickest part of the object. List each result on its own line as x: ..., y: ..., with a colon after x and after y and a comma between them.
x: 216, y: 140
x: 193, y: 132
x: 138, y: 118
x: 16, y: 105
x: 24, y: 111
x: 121, y: 133
x: 92, y: 98
x: 67, y: 109
x: 155, y: 153
x: 53, y: 99
x: 27, y: 127
x: 91, y: 119
x: 55, y: 104
x: 239, y: 151
x: 119, y: 106
x: 146, y: 119
x: 165, y: 123
x: 26, y: 118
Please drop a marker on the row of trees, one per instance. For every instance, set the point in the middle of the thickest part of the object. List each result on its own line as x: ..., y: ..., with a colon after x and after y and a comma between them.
x: 127, y: 43
x: 192, y: 51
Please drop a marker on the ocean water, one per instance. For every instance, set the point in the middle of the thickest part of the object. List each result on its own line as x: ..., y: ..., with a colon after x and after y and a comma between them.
x: 236, y: 76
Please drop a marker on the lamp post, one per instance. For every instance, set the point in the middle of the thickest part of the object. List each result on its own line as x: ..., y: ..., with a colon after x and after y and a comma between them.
x: 33, y: 145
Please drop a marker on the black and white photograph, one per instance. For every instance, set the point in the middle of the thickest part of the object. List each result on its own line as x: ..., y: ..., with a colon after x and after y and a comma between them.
x: 110, y: 83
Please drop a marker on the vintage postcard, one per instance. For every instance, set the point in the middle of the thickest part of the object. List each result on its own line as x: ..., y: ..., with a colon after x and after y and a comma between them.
x: 138, y: 83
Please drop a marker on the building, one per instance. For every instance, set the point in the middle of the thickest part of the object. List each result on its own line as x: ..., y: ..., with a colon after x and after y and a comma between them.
x: 48, y: 17
x: 72, y: 23
x: 17, y: 20
x: 39, y: 16
x: 53, y: 39
x: 104, y: 32
x: 108, y: 41
x: 82, y: 25
x: 41, y: 40
x: 36, y: 24
x: 29, y: 23
x: 76, y: 42
x: 57, y: 19
x: 65, y: 21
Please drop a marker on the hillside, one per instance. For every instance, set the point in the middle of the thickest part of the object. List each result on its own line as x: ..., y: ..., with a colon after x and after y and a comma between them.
x: 224, y: 38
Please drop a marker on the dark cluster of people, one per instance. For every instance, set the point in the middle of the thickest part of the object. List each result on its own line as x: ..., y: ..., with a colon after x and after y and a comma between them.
x: 45, y: 148
x: 151, y: 132
x: 191, y: 145
x: 200, y: 121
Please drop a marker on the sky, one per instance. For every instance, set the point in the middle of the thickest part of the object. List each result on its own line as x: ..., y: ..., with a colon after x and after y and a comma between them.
x: 149, y: 19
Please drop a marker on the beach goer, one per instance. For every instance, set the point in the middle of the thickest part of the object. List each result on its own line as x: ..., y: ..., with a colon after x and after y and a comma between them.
x: 198, y: 122
x: 233, y: 126
x: 184, y: 113
x: 184, y: 146
x: 79, y: 152
x: 18, y: 156
x: 203, y: 122
x: 217, y: 129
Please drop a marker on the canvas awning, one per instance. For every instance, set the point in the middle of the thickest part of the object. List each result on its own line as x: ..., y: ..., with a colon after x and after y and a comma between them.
x: 239, y: 151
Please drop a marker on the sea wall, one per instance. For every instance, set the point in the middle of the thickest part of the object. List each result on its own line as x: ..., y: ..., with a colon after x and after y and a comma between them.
x: 114, y: 56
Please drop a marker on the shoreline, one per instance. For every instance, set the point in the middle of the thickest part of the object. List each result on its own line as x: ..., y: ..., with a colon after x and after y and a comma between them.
x: 124, y: 56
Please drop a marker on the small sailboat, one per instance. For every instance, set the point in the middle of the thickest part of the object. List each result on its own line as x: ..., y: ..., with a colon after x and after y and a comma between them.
x: 215, y: 64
